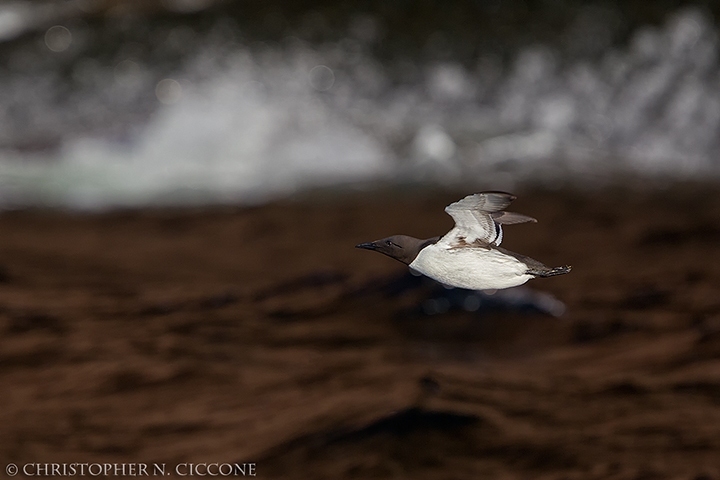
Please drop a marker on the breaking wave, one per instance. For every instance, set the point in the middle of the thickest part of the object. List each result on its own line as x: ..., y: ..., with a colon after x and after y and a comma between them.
x: 242, y: 121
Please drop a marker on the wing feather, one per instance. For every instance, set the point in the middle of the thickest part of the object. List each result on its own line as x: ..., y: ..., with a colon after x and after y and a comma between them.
x: 511, y: 218
x: 478, y: 219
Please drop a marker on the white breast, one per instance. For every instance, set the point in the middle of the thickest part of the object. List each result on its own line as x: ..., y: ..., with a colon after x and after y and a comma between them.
x: 473, y: 268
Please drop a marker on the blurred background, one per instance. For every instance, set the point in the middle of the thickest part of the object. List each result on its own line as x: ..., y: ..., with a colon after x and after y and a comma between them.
x: 108, y: 103
x: 182, y: 183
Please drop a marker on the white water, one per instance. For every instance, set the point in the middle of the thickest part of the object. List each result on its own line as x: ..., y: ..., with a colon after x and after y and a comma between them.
x: 251, y: 122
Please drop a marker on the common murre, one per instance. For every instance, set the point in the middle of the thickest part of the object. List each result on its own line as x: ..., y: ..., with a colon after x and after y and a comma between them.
x: 469, y: 256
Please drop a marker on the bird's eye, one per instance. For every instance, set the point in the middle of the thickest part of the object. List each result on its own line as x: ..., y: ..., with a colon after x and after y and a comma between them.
x: 388, y: 243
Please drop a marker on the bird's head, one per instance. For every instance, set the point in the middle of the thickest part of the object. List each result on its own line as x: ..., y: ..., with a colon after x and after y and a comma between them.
x: 400, y: 247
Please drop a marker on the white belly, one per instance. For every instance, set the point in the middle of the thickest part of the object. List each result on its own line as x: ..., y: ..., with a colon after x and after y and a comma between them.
x: 472, y: 268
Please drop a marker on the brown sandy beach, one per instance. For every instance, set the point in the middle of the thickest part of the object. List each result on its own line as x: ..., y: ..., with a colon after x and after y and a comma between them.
x: 261, y: 335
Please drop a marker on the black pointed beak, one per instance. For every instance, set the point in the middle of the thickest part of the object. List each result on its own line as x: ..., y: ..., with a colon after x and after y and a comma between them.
x: 367, y: 246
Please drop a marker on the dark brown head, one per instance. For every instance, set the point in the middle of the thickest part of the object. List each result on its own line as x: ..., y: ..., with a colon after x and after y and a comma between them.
x: 399, y: 247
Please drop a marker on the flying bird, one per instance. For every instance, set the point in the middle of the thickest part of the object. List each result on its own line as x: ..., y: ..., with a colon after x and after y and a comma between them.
x: 469, y: 256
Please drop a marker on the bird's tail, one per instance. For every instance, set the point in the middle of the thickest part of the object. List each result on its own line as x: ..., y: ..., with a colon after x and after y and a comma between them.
x: 551, y: 272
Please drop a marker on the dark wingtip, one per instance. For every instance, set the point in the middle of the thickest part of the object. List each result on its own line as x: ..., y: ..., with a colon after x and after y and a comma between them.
x: 500, y: 192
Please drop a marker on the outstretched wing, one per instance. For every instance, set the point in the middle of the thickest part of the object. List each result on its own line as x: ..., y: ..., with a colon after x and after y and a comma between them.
x: 479, y: 219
